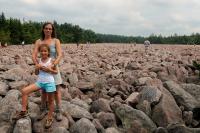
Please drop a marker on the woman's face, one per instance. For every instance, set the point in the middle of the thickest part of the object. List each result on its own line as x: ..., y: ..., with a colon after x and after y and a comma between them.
x: 48, y: 30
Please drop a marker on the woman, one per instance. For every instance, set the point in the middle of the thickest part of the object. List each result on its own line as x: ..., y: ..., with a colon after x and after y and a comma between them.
x: 49, y: 37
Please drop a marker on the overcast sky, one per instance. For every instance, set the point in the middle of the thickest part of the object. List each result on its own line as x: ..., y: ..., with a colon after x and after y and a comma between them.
x: 121, y: 17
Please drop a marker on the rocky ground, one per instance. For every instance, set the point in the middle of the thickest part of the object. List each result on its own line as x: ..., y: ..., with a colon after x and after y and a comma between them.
x: 108, y: 88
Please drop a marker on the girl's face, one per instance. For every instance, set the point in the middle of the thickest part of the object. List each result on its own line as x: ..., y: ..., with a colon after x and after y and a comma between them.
x: 44, y: 52
x: 48, y: 30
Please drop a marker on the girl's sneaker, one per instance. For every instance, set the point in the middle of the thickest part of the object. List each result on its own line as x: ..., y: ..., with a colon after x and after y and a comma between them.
x: 48, y: 123
x: 20, y: 115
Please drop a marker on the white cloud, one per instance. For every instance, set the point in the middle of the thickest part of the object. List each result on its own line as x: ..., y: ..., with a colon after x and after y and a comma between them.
x: 31, y: 2
x: 128, y: 17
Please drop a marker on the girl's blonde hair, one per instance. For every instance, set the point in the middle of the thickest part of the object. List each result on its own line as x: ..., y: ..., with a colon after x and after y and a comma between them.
x: 44, y: 46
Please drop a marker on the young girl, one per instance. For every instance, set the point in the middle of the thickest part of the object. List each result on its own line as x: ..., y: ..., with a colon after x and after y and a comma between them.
x: 45, y: 81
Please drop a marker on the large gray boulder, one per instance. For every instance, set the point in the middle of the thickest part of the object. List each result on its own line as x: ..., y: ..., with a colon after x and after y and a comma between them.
x: 107, y: 119
x: 181, y: 96
x: 193, y: 89
x: 18, y: 85
x: 6, y: 127
x: 112, y: 130
x: 83, y: 126
x: 80, y: 103
x: 166, y: 111
x: 15, y: 74
x: 75, y: 111
x: 127, y: 115
x: 100, y: 105
x: 3, y: 88
x: 179, y: 128
x: 150, y: 93
x: 23, y: 126
x: 9, y: 104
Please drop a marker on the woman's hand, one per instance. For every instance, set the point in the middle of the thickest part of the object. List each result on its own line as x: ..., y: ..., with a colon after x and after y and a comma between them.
x: 37, y: 68
x: 53, y: 64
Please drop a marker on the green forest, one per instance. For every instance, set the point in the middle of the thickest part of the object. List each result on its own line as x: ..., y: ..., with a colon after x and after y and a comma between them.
x: 13, y: 31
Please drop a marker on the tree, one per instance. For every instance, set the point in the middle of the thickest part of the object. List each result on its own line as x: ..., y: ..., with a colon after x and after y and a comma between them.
x: 77, y: 34
x: 15, y: 31
x: 89, y: 36
x: 2, y: 21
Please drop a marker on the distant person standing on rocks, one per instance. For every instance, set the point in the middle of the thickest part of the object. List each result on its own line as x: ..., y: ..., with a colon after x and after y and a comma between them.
x: 4, y: 44
x: 146, y: 45
x: 77, y: 44
x: 49, y: 37
x: 23, y: 43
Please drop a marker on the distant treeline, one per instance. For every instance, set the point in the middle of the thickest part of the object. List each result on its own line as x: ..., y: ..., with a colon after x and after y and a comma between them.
x: 154, y: 39
x: 13, y: 31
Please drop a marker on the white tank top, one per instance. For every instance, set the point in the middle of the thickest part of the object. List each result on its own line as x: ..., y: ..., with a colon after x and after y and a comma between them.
x: 45, y: 77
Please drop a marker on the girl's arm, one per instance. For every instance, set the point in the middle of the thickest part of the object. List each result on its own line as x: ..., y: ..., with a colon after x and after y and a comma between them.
x: 59, y: 52
x: 50, y: 69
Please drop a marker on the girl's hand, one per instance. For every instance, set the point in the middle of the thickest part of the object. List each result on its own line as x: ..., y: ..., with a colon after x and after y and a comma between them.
x: 49, y: 70
x: 43, y: 68
x: 38, y: 66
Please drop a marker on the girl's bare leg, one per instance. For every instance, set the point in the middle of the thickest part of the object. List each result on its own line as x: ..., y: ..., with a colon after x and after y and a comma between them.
x: 51, y: 104
x: 43, y: 108
x: 44, y: 100
x: 49, y: 120
x: 25, y: 92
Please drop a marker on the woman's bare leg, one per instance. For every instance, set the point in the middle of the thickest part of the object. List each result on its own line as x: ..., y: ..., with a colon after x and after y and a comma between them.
x: 58, y: 95
x: 58, y: 103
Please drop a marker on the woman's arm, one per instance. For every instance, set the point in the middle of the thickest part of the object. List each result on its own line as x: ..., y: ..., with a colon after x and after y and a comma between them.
x: 59, y: 52
x: 35, y: 52
x: 36, y: 71
x: 53, y: 70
